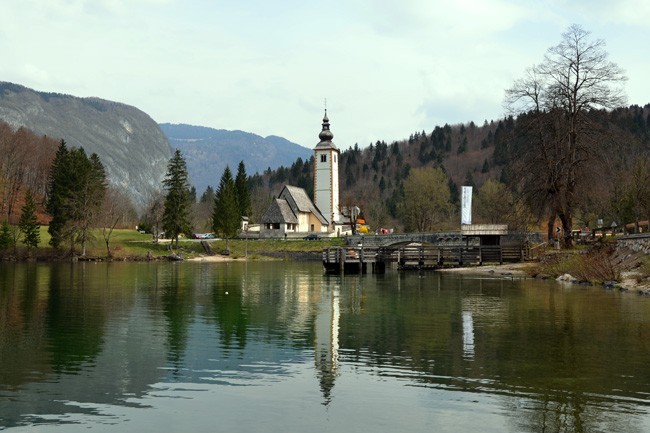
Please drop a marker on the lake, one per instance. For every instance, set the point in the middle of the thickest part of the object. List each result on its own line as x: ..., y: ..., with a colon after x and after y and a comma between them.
x: 281, y: 347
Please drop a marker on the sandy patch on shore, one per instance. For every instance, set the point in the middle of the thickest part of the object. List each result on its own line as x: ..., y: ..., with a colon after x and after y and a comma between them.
x: 506, y: 270
x: 215, y: 259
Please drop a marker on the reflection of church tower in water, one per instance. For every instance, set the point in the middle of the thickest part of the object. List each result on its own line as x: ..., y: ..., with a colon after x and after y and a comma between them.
x: 326, y: 175
x: 326, y: 347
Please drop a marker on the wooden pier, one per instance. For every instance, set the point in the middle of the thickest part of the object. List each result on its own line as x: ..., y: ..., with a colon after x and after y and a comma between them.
x: 360, y: 259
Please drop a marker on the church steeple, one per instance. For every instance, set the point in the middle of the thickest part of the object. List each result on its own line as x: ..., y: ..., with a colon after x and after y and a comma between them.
x: 326, y: 174
x: 326, y: 135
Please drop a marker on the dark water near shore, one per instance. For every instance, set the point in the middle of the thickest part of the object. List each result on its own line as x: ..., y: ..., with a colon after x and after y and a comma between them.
x: 280, y: 347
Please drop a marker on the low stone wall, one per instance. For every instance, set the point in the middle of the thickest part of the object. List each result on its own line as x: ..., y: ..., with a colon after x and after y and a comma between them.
x: 639, y: 242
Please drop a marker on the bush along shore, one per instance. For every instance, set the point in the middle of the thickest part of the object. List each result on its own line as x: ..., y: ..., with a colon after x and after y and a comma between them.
x: 599, y: 264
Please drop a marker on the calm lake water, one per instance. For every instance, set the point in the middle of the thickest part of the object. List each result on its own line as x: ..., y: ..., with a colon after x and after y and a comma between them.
x: 281, y: 347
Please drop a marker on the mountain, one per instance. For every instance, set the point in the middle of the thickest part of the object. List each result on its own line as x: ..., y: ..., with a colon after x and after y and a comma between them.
x: 207, y: 151
x: 129, y: 143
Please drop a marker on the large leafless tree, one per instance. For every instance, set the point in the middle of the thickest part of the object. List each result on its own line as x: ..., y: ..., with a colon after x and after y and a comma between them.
x: 559, y: 139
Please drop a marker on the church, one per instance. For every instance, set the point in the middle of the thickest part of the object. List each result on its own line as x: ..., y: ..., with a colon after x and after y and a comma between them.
x: 293, y: 212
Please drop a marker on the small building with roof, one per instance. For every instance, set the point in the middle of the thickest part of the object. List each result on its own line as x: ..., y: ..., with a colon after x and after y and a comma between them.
x: 291, y: 213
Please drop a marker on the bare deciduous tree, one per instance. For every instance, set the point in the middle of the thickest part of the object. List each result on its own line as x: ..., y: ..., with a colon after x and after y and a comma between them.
x: 154, y: 213
x: 116, y: 208
x: 559, y: 142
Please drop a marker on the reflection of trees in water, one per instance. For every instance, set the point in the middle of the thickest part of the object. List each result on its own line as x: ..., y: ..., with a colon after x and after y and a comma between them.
x: 230, y: 312
x: 178, y: 309
x: 569, y: 412
x: 74, y: 332
x: 76, y: 350
x: 23, y: 349
x: 552, y: 356
x: 524, y: 342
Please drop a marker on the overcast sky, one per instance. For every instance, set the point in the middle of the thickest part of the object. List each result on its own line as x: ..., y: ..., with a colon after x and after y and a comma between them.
x: 387, y: 68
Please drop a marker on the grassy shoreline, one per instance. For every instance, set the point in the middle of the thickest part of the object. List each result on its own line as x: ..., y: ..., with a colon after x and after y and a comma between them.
x: 130, y: 245
x: 595, y: 265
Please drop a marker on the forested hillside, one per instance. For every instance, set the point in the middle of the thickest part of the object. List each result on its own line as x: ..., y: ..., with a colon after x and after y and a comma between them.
x: 470, y: 154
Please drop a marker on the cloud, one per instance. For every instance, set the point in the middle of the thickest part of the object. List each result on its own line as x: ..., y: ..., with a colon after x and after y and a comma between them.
x: 387, y: 68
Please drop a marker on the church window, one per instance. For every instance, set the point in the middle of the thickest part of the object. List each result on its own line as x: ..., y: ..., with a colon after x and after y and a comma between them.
x: 323, y: 158
x: 334, y: 158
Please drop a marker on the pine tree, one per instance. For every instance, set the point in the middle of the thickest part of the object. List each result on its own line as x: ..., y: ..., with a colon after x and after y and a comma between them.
x: 243, y: 193
x: 226, y: 216
x: 76, y: 188
x: 56, y: 192
x: 28, y: 223
x: 176, y: 215
x: 89, y: 194
x: 5, y: 236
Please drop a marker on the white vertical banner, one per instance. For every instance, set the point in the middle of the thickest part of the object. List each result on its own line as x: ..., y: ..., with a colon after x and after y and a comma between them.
x: 466, y: 205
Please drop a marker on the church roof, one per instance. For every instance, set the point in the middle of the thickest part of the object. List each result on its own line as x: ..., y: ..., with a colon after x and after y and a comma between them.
x: 279, y: 211
x: 326, y: 136
x: 300, y: 201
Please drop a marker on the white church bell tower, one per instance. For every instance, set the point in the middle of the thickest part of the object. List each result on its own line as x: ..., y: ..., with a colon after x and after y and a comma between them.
x: 326, y: 175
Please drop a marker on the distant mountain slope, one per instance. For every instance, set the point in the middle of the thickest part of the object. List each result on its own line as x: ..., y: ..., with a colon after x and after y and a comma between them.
x: 129, y: 143
x: 207, y: 151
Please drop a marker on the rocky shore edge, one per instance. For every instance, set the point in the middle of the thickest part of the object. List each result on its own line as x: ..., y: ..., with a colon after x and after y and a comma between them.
x: 630, y: 280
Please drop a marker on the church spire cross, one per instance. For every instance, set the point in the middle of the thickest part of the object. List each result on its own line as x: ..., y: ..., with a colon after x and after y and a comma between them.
x: 326, y: 135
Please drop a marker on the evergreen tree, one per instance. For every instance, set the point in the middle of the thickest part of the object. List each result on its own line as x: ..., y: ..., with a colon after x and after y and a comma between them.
x: 56, y: 191
x: 469, y: 179
x: 76, y: 189
x: 244, y: 194
x: 89, y: 191
x: 207, y: 196
x: 462, y: 147
x: 28, y: 223
x: 176, y: 215
x: 5, y: 236
x: 226, y: 216
x: 382, y: 185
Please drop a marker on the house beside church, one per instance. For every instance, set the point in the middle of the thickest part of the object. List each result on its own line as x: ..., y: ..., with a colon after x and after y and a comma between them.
x: 293, y: 212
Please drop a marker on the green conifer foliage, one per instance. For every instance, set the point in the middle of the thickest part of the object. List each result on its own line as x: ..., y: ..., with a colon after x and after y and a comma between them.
x: 176, y: 215
x: 243, y: 193
x: 89, y: 194
x: 57, y: 190
x: 76, y: 188
x: 226, y: 218
x: 28, y: 223
x: 5, y: 236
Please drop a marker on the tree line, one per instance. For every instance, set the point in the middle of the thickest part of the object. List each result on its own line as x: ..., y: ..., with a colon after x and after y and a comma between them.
x: 567, y: 154
x: 175, y: 210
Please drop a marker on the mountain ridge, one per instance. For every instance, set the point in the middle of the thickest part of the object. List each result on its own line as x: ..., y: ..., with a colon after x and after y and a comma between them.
x: 208, y: 150
x: 131, y: 146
